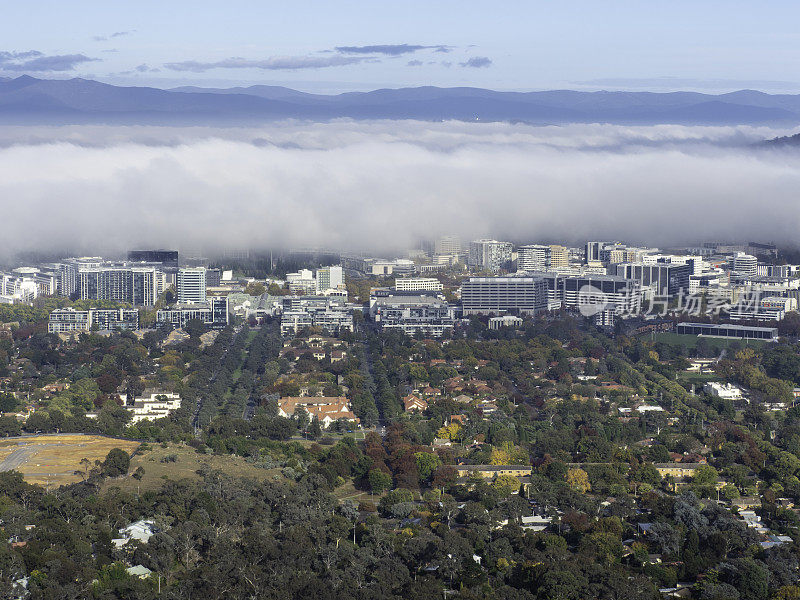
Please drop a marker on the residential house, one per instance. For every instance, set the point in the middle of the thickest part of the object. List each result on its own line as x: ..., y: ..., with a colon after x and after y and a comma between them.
x: 677, y: 470
x: 140, y: 531
x: 326, y: 409
x: 414, y: 403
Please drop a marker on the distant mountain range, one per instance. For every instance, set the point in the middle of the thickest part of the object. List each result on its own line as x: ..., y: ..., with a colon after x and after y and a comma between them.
x: 788, y: 140
x: 29, y: 100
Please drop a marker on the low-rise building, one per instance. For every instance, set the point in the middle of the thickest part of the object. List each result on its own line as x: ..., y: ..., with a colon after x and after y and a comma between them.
x: 213, y: 313
x: 140, y: 531
x: 414, y: 403
x: 418, y: 284
x: 412, y: 314
x: 726, y: 391
x: 504, y: 321
x: 493, y: 471
x: 68, y: 320
x: 742, y: 332
x: 677, y: 470
x: 332, y: 314
x: 327, y: 410
x: 152, y: 406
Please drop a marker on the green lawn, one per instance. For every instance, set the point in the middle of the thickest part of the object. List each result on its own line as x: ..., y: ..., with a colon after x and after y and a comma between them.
x: 690, y: 341
x: 698, y: 377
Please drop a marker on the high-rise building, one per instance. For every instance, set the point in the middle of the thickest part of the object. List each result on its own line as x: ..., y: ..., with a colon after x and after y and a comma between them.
x: 213, y: 278
x: 593, y: 251
x: 744, y: 264
x: 533, y: 257
x: 559, y: 256
x: 167, y: 258
x: 660, y: 278
x: 448, y: 244
x: 330, y: 278
x: 139, y: 286
x: 68, y: 272
x: 489, y: 255
x: 500, y: 295
x: 537, y: 257
x: 192, y: 285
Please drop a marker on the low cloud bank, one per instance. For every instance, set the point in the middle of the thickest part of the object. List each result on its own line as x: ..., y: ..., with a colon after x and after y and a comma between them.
x: 384, y: 185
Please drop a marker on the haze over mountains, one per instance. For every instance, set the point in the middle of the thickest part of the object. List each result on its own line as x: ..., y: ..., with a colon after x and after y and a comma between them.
x: 29, y: 100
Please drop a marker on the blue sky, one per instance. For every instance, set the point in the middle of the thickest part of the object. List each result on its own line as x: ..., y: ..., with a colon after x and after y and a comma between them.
x: 339, y: 46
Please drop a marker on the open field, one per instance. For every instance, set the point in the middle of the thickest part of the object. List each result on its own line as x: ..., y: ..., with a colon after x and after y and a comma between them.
x: 51, y: 460
x: 185, y: 466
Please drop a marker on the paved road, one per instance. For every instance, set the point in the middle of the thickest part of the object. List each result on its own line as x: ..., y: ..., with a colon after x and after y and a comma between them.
x: 22, y: 455
x: 18, y: 458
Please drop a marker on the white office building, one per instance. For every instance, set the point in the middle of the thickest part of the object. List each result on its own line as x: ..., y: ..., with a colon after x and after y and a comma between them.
x: 418, y: 284
x: 744, y: 264
x: 330, y: 278
x: 192, y: 285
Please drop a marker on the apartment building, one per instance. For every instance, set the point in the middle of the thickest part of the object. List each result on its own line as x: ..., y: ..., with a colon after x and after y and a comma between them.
x: 412, y: 313
x: 213, y: 313
x: 489, y: 255
x: 67, y: 320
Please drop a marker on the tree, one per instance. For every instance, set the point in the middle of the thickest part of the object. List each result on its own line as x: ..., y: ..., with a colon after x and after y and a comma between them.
x: 427, y: 463
x: 8, y: 402
x: 578, y: 480
x: 444, y: 476
x: 505, y: 485
x: 788, y: 592
x: 301, y: 416
x: 705, y: 479
x: 255, y: 288
x: 647, y: 473
x: 134, y: 387
x: 379, y: 481
x: 38, y: 422
x: 195, y: 328
x: 116, y: 463
x: 9, y: 426
x: 451, y: 432
x: 315, y: 431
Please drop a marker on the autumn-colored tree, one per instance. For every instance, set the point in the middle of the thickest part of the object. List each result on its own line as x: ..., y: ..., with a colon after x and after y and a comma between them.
x: 499, y: 457
x: 451, y: 432
x: 578, y: 480
x: 505, y: 485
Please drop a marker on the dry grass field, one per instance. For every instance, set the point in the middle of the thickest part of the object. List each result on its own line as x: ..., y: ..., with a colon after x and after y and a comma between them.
x: 51, y: 460
x: 158, y: 467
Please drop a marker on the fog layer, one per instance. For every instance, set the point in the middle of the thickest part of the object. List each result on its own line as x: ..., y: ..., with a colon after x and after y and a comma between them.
x: 384, y: 185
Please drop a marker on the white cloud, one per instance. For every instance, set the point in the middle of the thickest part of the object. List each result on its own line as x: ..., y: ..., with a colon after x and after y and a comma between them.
x: 273, y: 63
x: 385, y: 184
